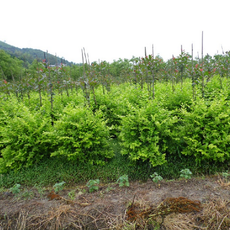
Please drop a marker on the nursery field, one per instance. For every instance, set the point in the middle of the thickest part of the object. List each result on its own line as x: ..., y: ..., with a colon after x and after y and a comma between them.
x: 139, y: 144
x: 147, y: 164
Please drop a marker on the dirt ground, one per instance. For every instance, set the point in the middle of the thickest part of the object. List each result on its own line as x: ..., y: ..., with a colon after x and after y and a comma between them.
x: 199, y: 203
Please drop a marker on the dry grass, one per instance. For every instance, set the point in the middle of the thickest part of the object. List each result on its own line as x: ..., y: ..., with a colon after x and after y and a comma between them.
x: 223, y: 184
x: 171, y: 214
x: 216, y: 214
x: 54, y: 219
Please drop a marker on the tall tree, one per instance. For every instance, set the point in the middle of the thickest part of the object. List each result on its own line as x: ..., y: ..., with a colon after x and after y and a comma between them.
x: 9, y: 67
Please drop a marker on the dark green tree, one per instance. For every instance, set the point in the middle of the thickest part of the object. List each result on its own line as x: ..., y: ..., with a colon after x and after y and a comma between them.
x: 9, y: 67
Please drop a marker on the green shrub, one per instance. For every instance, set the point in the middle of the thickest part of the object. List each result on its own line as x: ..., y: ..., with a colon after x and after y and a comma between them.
x: 22, y: 140
x: 111, y: 110
x: 114, y: 104
x: 178, y: 98
x: 144, y: 133
x: 216, y: 87
x: 206, y: 130
x: 81, y: 136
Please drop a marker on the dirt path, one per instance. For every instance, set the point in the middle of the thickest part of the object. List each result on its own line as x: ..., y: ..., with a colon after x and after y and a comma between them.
x: 139, y: 206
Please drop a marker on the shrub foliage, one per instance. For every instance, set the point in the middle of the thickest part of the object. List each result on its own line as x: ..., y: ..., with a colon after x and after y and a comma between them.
x: 22, y: 139
x: 80, y: 135
x: 143, y: 133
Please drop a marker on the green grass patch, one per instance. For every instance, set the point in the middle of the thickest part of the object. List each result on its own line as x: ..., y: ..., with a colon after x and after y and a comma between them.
x: 55, y: 170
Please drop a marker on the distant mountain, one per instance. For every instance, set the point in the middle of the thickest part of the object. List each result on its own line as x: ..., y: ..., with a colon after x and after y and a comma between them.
x: 28, y: 55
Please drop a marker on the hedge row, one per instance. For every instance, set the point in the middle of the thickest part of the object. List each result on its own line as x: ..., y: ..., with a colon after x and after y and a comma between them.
x: 148, y: 130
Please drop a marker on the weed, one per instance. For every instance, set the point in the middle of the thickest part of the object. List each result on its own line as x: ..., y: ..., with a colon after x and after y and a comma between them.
x: 170, y: 180
x: 225, y: 174
x: 93, y: 185
x: 72, y: 194
x: 109, y: 188
x: 59, y: 186
x: 15, y: 189
x: 155, y: 177
x: 40, y: 190
x: 186, y: 173
x: 27, y: 194
x: 81, y: 191
x: 123, y: 181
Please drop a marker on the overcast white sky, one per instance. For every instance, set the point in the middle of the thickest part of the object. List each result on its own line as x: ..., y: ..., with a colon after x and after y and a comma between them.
x: 113, y: 29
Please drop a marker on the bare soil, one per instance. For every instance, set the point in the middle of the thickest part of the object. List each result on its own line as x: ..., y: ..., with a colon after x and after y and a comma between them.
x: 142, y: 205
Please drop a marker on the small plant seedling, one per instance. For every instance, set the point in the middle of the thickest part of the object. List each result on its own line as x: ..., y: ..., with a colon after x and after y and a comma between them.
x: 40, y: 190
x: 59, y: 186
x: 225, y: 174
x: 93, y: 185
x: 15, y: 189
x: 72, y: 194
x: 186, y: 173
x: 123, y: 181
x: 109, y: 188
x: 27, y: 194
x: 83, y: 191
x: 156, y: 178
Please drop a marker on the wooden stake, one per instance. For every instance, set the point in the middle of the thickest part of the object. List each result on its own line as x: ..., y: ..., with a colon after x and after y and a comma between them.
x: 84, y: 55
x: 202, y: 56
x: 172, y: 73
x: 202, y: 48
x: 193, y: 82
x: 222, y: 49
x: 181, y: 76
x: 83, y: 64
x: 153, y: 51
x: 153, y: 75
x: 88, y: 58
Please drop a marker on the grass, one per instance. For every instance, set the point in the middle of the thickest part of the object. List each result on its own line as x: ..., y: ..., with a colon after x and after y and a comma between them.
x: 52, y: 171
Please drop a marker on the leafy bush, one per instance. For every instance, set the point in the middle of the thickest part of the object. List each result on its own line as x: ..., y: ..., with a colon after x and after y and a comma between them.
x: 114, y: 104
x: 22, y: 140
x: 175, y: 100
x: 216, y: 87
x: 81, y: 136
x: 144, y: 133
x: 111, y: 110
x: 206, y: 130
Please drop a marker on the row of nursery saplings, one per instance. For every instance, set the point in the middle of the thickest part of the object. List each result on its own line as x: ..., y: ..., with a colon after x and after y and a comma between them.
x: 93, y: 185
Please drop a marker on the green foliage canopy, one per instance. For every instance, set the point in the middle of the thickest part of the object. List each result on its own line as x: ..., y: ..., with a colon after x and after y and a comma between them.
x: 9, y: 67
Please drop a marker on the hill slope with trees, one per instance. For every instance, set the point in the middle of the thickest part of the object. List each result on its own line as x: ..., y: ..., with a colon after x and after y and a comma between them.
x: 27, y: 55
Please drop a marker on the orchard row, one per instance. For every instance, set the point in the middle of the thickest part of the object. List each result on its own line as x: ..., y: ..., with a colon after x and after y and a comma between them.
x: 42, y: 77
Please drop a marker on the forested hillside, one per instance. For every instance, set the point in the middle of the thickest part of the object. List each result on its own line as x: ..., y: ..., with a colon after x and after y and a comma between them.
x: 27, y: 55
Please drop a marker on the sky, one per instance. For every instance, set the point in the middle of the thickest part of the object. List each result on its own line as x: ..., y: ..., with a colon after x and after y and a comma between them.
x: 113, y: 29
